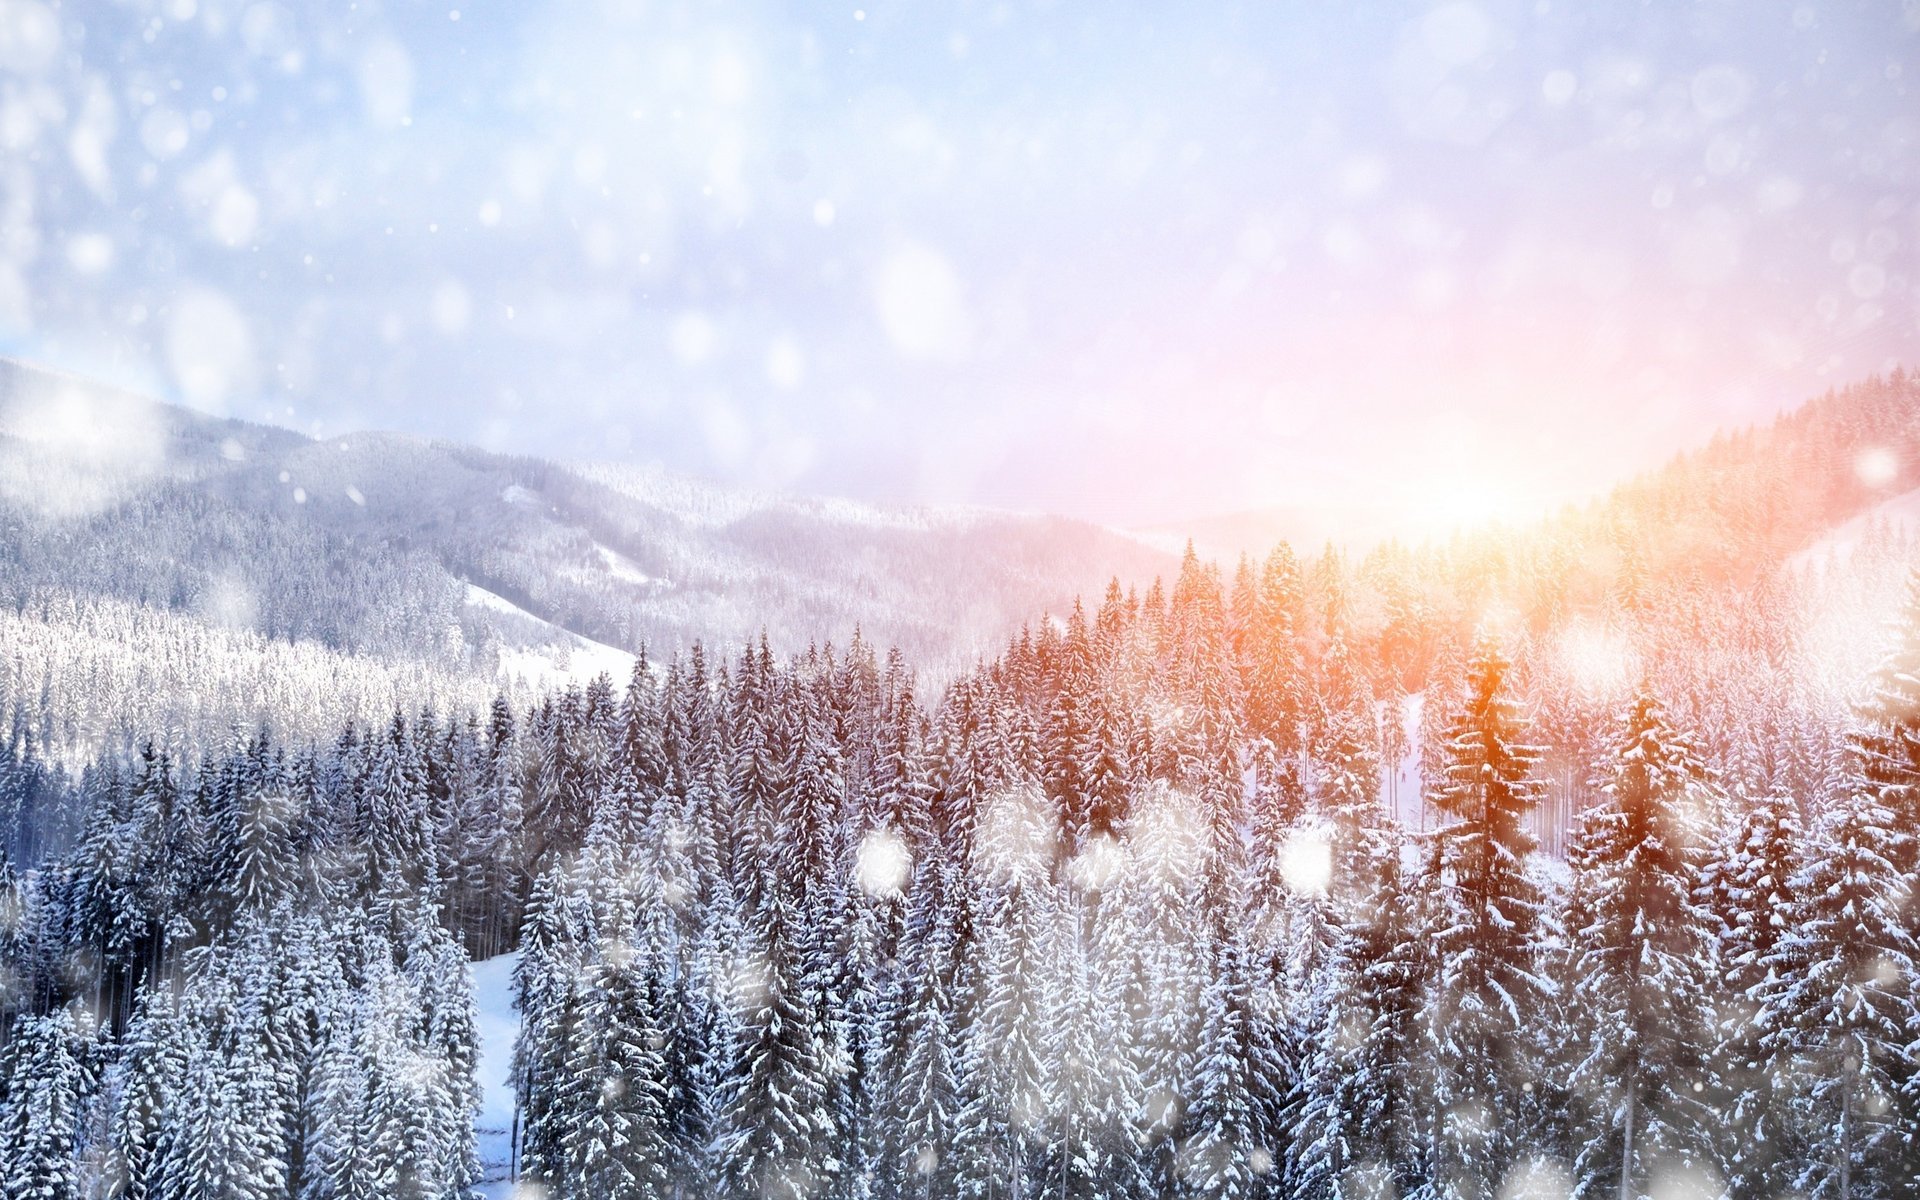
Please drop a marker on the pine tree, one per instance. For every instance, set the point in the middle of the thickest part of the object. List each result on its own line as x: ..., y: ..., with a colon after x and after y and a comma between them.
x: 1068, y: 736
x: 776, y: 1129
x: 1353, y: 1101
x: 1842, y: 1019
x: 265, y: 875
x: 228, y: 1139
x: 558, y: 928
x: 1091, y: 1090
x: 357, y: 1133
x: 1753, y: 901
x: 1886, y: 743
x: 1203, y: 741
x: 1643, y: 960
x: 924, y: 1094
x: 618, y: 1148
x: 1173, y: 860
x: 1272, y: 664
x: 440, y: 1032
x: 1347, y: 797
x: 1006, y: 1035
x: 1488, y: 987
x: 1222, y: 1158
x: 47, y: 1071
x: 398, y: 828
x: 154, y: 1061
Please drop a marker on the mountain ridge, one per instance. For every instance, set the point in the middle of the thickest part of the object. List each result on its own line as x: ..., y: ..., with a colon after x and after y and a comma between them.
x: 617, y: 555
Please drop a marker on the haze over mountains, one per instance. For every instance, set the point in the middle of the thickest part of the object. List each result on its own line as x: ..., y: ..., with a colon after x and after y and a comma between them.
x: 385, y: 543
x: 139, y: 536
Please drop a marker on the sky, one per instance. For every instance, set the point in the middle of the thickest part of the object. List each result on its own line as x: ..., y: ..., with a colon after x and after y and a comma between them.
x: 1135, y: 262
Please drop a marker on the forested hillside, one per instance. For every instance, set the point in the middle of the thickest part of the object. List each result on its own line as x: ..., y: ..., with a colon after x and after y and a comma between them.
x: 1135, y: 908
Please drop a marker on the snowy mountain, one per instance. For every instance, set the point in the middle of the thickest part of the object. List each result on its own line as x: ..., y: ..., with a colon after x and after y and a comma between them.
x: 392, y: 545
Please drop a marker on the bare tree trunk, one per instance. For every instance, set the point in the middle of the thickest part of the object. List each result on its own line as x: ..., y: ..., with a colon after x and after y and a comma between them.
x: 1626, y: 1147
x: 1846, y: 1135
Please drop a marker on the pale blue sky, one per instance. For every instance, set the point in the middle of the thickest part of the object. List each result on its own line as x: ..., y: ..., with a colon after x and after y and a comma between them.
x: 1126, y: 260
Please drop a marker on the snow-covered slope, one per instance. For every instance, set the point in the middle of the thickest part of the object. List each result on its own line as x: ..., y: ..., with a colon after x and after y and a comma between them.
x: 542, y: 654
x: 1896, y: 516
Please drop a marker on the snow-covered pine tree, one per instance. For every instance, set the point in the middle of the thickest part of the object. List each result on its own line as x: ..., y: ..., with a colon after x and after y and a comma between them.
x: 861, y: 1000
x: 1752, y: 901
x: 396, y: 1089
x: 1091, y: 1089
x: 1841, y: 1020
x: 1117, y: 997
x: 266, y: 873
x: 557, y: 930
x: 1487, y: 989
x: 776, y: 1130
x: 1173, y: 855
x: 355, y: 1132
x: 1223, y: 1157
x: 231, y: 1124
x: 617, y: 1149
x: 923, y: 1104
x: 398, y: 832
x: 1006, y: 1034
x: 48, y: 1069
x: 1068, y: 738
x: 1271, y: 665
x: 756, y: 773
x: 153, y: 1062
x: 1203, y: 738
x: 1346, y: 797
x: 439, y: 1026
x: 1351, y: 1132
x: 475, y: 838
x: 1642, y: 962
x: 1383, y: 1103
x: 1886, y: 742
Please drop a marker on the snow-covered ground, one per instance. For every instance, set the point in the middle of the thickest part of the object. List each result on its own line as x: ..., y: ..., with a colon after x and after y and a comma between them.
x: 1400, y: 781
x: 622, y: 568
x: 497, y: 1025
x: 560, y: 657
x: 481, y: 597
x: 1839, y: 543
